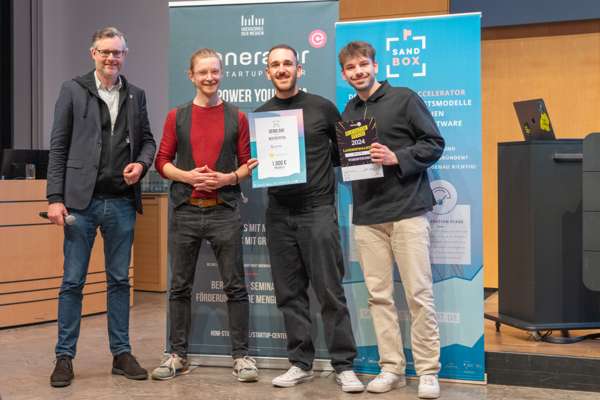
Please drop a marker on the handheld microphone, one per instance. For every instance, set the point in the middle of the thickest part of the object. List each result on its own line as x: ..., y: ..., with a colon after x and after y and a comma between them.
x: 69, y: 219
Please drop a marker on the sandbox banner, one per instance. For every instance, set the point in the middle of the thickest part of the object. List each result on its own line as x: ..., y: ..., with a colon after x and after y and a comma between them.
x: 440, y: 59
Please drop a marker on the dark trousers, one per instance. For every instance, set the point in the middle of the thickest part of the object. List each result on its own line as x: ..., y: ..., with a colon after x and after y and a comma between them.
x: 222, y: 227
x: 304, y: 246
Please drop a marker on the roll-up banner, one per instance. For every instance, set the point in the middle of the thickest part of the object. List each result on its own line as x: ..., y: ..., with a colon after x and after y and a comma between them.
x: 242, y: 34
x: 440, y: 59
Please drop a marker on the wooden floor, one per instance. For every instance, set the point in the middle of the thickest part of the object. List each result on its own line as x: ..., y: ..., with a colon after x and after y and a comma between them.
x: 514, y: 340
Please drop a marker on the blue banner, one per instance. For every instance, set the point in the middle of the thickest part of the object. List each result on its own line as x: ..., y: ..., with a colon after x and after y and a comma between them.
x: 440, y: 59
x: 243, y: 34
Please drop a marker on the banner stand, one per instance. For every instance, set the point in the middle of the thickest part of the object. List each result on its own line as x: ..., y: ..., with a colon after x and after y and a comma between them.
x: 247, y: 30
x: 439, y: 57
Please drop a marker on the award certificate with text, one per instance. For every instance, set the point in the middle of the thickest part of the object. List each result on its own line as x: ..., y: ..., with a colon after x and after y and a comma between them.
x: 354, y: 142
x: 277, y: 141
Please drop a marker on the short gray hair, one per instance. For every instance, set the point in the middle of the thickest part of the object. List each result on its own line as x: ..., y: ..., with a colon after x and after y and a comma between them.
x: 108, y: 33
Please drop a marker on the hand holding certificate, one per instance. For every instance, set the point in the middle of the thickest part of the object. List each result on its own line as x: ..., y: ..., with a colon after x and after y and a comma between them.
x: 277, y: 141
x: 355, y: 139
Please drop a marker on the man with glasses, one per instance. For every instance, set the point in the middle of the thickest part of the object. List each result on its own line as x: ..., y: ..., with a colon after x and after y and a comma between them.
x: 101, y: 147
x: 205, y: 150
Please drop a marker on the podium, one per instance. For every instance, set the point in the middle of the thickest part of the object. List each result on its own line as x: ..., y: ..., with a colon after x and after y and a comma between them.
x: 540, y: 238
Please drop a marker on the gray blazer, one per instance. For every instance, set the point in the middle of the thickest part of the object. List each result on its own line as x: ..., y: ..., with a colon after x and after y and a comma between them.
x: 75, y: 145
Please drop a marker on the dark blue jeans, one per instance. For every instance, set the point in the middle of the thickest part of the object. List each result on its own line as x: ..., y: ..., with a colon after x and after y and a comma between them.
x: 304, y: 246
x: 116, y: 219
x: 222, y: 227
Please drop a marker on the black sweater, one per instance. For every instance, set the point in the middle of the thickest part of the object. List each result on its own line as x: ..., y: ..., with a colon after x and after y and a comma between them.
x: 320, y: 117
x: 406, y: 127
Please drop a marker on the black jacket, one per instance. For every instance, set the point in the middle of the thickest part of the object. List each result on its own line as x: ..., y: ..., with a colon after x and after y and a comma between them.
x: 77, y: 142
x: 405, y: 125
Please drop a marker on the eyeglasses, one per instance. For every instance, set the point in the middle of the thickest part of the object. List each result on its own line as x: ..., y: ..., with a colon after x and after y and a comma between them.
x: 106, y: 53
x: 204, y: 73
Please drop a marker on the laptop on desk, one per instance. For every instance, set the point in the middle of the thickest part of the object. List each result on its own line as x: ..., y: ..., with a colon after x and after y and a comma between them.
x: 534, y: 120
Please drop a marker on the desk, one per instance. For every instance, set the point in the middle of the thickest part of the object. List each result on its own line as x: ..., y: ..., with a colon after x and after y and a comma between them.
x: 31, y: 259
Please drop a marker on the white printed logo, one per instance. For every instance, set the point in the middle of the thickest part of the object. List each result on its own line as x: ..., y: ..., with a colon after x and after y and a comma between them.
x: 445, y: 197
x: 253, y: 26
x: 406, y: 55
x: 317, y: 39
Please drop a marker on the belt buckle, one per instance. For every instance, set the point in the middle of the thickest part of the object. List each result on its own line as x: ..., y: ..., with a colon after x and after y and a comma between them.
x: 206, y: 202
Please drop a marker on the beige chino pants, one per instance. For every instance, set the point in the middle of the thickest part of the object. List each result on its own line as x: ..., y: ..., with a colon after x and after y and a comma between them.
x: 406, y: 241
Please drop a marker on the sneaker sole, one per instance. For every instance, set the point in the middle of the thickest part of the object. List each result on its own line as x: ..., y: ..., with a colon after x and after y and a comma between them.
x: 184, y: 371
x: 309, y: 378
x: 159, y: 378
x: 247, y: 378
x: 350, y: 389
x: 385, y: 390
x: 60, y: 384
x: 134, y: 377
x: 430, y: 395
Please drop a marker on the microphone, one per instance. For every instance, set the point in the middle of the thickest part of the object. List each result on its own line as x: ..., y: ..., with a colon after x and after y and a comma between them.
x: 69, y: 219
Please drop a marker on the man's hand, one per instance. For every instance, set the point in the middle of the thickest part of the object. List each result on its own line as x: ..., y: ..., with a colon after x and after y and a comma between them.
x: 56, y: 212
x: 132, y: 173
x: 251, y: 164
x: 380, y: 154
x: 206, y: 179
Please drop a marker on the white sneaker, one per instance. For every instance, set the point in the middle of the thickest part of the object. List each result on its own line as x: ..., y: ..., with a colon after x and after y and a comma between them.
x: 245, y: 369
x: 429, y: 388
x: 349, y: 382
x: 293, y: 377
x: 170, y: 366
x: 385, y: 382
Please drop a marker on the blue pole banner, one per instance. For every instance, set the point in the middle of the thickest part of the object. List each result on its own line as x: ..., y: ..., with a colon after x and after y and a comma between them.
x: 243, y: 34
x: 440, y: 59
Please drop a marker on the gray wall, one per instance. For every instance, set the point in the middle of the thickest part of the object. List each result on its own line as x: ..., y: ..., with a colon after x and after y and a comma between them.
x: 22, y: 75
x: 67, y: 29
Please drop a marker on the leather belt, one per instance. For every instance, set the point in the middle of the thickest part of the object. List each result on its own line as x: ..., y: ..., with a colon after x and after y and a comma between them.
x: 204, y: 202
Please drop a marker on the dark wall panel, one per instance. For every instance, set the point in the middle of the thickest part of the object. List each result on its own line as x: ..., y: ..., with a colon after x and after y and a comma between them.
x: 520, y: 12
x: 6, y: 75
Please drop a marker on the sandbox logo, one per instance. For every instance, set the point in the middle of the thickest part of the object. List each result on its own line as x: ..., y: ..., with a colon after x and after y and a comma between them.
x: 407, y: 54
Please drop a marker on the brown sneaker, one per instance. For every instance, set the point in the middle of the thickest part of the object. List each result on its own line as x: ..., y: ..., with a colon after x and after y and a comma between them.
x: 63, y: 372
x: 126, y: 364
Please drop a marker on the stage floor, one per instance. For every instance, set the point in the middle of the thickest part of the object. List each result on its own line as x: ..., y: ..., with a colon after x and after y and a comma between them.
x: 510, y: 339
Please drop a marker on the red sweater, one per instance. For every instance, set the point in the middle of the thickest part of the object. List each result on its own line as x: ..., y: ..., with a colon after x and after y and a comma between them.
x: 208, y: 127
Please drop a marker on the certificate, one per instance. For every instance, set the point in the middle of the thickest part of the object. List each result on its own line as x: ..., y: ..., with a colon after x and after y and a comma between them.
x: 354, y: 142
x: 277, y: 141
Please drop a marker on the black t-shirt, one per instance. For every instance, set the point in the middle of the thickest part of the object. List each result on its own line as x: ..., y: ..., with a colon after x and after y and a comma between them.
x: 320, y: 117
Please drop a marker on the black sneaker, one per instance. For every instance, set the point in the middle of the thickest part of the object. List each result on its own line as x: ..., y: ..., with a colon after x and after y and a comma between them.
x: 63, y: 372
x: 126, y: 364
